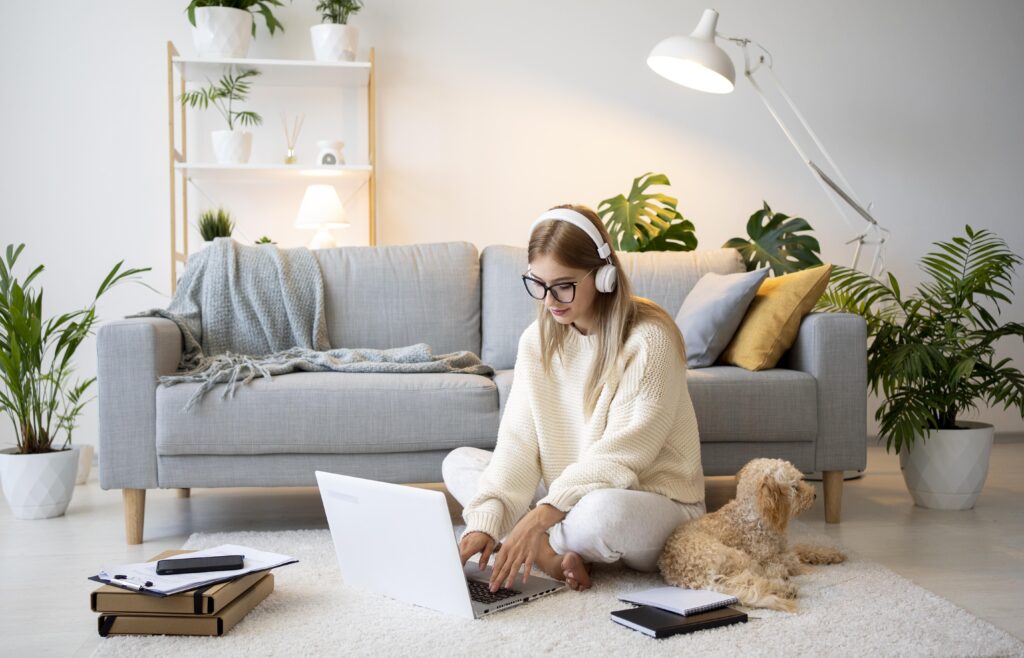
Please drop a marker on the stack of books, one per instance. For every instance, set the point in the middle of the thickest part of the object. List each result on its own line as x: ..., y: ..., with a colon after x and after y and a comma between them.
x: 665, y: 611
x: 208, y: 610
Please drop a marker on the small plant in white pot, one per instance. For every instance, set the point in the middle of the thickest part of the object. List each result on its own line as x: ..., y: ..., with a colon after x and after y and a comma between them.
x: 215, y: 224
x: 230, y: 146
x: 36, y: 391
x: 932, y: 357
x: 224, y: 28
x: 334, y: 39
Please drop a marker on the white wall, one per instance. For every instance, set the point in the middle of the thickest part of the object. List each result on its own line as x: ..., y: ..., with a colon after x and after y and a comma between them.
x: 490, y: 112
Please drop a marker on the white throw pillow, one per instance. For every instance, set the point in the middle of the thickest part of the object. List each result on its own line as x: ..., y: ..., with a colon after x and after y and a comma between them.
x: 712, y: 312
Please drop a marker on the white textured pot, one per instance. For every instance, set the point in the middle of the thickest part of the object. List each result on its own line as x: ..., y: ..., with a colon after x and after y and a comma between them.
x: 948, y: 469
x: 85, y: 455
x: 333, y: 42
x: 222, y: 32
x: 232, y: 146
x: 38, y: 486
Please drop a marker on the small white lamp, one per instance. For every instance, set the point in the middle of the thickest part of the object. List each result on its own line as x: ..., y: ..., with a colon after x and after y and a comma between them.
x: 321, y: 209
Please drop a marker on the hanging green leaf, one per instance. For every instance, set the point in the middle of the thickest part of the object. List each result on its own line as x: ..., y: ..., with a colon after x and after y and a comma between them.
x: 774, y: 242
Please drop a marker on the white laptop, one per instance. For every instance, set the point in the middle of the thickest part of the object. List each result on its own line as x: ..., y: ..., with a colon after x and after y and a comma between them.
x: 398, y: 541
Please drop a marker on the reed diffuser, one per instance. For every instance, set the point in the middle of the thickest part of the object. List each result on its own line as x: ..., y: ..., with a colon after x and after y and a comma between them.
x: 291, y: 136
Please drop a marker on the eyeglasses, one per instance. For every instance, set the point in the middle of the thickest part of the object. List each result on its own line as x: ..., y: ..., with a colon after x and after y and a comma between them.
x: 563, y: 292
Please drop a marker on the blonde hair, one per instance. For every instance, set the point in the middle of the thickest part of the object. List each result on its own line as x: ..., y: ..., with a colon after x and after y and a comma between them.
x: 615, y: 313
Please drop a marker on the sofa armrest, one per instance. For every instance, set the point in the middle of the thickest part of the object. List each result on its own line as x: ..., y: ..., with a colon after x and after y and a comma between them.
x: 833, y: 348
x: 130, y: 355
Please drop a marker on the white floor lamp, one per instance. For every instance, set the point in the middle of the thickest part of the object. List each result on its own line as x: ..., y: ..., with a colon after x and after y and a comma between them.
x: 695, y: 61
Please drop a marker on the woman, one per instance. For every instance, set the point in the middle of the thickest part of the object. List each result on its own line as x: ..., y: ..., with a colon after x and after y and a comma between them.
x: 598, y: 431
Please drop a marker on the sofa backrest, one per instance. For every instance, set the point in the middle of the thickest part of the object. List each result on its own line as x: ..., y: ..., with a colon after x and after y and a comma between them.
x: 665, y: 277
x: 396, y: 295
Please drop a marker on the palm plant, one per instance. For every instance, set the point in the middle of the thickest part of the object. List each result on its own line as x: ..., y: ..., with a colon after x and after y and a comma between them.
x: 261, y: 6
x: 231, y: 88
x: 215, y: 224
x: 36, y: 391
x: 932, y: 353
x: 647, y: 222
x: 774, y: 242
x: 338, y: 11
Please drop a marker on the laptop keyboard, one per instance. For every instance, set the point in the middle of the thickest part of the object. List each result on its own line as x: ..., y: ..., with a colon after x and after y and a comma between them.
x: 481, y: 592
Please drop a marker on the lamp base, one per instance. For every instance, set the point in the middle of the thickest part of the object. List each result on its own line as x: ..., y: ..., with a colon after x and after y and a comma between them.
x: 323, y: 239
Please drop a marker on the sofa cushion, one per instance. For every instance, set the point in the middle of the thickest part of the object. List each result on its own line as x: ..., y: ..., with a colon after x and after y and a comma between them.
x: 393, y: 296
x: 665, y: 277
x: 331, y: 412
x: 737, y: 405
x: 711, y: 312
x: 734, y: 404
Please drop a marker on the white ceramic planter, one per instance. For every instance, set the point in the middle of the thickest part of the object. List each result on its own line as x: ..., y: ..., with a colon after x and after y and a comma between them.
x: 222, y: 32
x: 232, y: 146
x: 334, y: 42
x: 948, y: 469
x: 85, y: 454
x: 38, y: 486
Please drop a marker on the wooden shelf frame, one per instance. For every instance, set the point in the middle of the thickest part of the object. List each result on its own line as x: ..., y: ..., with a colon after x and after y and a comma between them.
x: 274, y: 73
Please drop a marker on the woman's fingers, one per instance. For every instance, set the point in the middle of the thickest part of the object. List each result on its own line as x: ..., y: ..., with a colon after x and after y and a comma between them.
x: 527, y: 567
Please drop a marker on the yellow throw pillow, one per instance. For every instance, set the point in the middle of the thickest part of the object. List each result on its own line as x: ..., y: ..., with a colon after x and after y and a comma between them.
x: 772, y: 320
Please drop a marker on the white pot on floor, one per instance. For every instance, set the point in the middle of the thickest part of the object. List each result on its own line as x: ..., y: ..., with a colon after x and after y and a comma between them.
x: 948, y: 469
x: 38, y: 486
x: 334, y: 42
x: 222, y: 32
x: 232, y: 146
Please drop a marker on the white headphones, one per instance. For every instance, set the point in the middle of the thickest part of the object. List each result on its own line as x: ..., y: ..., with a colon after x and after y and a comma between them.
x: 605, y: 276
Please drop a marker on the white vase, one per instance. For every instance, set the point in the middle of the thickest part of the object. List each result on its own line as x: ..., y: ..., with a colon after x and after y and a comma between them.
x: 333, y: 42
x: 222, y: 32
x: 232, y: 146
x: 86, y: 452
x: 948, y: 469
x: 38, y: 486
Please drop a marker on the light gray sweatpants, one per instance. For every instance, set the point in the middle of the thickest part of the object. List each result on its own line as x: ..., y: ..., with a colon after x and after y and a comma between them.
x: 606, y: 525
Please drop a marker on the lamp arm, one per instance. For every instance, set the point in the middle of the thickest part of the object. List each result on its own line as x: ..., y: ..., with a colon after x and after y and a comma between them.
x: 874, y: 229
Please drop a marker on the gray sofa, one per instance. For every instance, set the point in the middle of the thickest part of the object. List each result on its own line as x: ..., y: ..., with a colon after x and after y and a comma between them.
x: 398, y: 427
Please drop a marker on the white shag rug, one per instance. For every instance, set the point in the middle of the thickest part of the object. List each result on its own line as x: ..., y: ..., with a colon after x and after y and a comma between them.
x: 853, y: 609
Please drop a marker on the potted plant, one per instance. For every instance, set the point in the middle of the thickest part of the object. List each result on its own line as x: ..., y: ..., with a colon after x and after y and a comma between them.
x: 215, y: 224
x: 224, y: 28
x: 932, y: 357
x: 36, y: 391
x: 230, y: 146
x: 334, y: 39
x: 646, y: 222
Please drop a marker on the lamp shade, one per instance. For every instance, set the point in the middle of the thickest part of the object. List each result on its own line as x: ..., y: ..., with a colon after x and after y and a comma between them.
x: 321, y: 208
x: 695, y: 61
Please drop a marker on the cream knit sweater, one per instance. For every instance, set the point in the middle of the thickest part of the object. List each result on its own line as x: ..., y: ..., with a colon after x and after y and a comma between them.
x: 642, y: 434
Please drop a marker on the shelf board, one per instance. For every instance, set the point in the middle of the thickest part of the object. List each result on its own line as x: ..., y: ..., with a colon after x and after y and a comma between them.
x: 278, y: 72
x: 265, y: 172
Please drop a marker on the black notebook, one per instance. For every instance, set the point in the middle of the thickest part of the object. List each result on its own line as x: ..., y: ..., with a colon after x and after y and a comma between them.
x: 662, y: 623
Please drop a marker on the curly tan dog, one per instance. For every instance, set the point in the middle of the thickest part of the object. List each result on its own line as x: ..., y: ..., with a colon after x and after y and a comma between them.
x: 741, y: 548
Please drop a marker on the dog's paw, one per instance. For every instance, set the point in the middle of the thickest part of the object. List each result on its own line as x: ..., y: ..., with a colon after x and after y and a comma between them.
x: 810, y: 554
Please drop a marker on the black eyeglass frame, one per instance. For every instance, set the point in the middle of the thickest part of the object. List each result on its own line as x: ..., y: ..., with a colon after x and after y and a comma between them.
x: 550, y: 288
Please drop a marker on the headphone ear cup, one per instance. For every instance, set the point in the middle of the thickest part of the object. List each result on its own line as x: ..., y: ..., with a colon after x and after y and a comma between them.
x: 605, y: 279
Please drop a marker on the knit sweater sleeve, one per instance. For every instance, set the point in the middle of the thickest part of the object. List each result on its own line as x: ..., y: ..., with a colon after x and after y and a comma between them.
x: 640, y: 418
x: 508, y: 483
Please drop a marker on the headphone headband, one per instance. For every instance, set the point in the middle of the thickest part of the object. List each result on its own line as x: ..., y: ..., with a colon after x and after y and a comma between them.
x: 580, y: 220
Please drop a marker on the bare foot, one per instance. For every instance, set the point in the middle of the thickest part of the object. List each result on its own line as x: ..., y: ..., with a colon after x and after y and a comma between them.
x: 575, y: 570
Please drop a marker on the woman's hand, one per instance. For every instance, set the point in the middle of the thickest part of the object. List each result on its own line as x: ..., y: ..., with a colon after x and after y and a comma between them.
x: 476, y: 542
x: 522, y: 546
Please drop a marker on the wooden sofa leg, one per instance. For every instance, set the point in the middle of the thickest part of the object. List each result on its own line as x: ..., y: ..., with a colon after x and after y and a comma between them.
x: 184, y: 492
x: 134, y: 514
x: 833, y: 484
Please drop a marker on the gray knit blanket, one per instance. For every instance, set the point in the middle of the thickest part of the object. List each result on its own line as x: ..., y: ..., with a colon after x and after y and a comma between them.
x: 247, y: 311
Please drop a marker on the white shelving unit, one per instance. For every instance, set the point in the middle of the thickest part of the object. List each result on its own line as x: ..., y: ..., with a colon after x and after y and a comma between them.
x: 273, y: 72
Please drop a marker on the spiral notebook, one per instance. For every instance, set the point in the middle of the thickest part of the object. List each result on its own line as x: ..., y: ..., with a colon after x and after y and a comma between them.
x: 680, y: 600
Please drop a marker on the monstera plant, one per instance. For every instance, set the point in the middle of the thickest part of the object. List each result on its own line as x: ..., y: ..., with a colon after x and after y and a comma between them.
x: 774, y: 241
x: 646, y: 221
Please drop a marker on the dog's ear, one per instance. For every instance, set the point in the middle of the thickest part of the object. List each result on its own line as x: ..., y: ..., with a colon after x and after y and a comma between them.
x: 773, y: 502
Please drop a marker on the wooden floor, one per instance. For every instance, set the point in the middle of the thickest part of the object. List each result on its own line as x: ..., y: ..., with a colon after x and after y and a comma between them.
x: 973, y: 558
